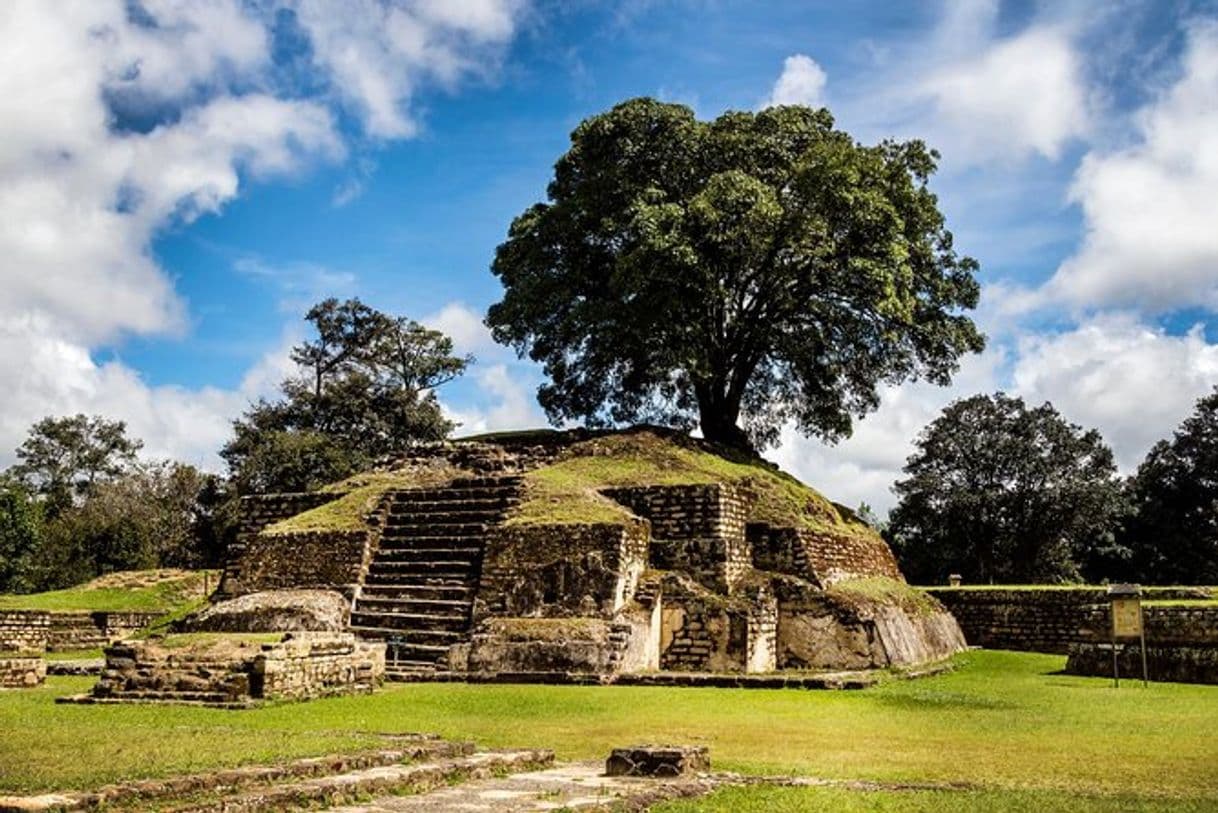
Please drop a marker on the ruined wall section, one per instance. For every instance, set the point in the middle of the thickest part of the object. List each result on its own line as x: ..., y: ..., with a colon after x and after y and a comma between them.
x: 561, y: 570
x: 24, y: 630
x: 697, y: 529
x: 258, y: 512
x: 823, y: 558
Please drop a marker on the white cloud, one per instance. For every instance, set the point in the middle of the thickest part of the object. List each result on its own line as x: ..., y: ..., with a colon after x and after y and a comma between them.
x: 1151, y: 210
x: 863, y: 467
x: 82, y: 197
x: 464, y: 325
x: 802, y: 81
x: 510, y: 406
x: 379, y: 52
x: 1021, y: 95
x: 1133, y: 383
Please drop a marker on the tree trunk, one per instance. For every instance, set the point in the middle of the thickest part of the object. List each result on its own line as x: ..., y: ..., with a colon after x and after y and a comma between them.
x: 717, y: 416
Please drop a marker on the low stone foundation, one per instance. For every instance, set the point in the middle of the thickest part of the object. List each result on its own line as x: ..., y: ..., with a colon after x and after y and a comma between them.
x: 1177, y: 664
x: 22, y: 670
x: 235, y: 673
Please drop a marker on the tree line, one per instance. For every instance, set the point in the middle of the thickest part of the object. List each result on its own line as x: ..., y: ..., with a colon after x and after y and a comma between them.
x: 1000, y: 492
x: 80, y: 502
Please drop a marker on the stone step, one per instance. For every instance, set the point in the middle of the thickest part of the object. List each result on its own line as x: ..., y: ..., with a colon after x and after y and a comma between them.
x: 411, y: 519
x: 412, y: 627
x: 392, y: 538
x: 479, y: 493
x: 429, y: 528
x: 492, y: 508
x: 419, y: 553
x: 460, y: 568
x: 415, y: 590
x: 358, y: 785
x: 408, y: 646
x: 410, y: 604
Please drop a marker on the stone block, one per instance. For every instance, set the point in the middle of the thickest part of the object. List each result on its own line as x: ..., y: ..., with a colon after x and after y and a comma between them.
x: 658, y: 761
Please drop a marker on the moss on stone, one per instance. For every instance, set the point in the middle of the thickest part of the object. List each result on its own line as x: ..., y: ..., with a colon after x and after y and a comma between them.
x: 880, y: 591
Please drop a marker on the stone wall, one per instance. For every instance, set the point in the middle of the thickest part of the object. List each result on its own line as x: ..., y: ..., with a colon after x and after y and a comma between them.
x: 1032, y: 620
x: 819, y: 631
x: 22, y: 671
x: 560, y: 570
x: 835, y: 557
x: 821, y: 557
x: 701, y: 631
x: 1052, y: 620
x: 71, y: 631
x: 24, y: 630
x: 548, y: 645
x: 697, y: 529
x: 321, y: 560
x: 317, y: 665
x: 225, y: 672
x: 258, y: 512
x: 1176, y: 663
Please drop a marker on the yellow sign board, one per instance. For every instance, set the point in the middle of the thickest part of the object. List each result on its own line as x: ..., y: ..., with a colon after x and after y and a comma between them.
x: 1126, y: 617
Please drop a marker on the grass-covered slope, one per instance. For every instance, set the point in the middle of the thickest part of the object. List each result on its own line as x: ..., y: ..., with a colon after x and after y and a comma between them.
x: 567, y: 491
x: 358, y: 496
x: 145, y: 591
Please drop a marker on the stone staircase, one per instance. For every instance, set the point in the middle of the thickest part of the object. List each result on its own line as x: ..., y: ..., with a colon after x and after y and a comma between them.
x: 419, y: 592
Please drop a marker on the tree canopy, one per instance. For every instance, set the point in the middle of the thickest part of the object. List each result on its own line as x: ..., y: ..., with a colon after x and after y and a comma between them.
x: 63, y: 459
x: 758, y: 268
x: 364, y: 388
x: 997, y: 491
x: 1173, y: 527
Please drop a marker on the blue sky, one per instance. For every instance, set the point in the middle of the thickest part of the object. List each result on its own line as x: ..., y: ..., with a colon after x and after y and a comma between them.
x: 180, y: 180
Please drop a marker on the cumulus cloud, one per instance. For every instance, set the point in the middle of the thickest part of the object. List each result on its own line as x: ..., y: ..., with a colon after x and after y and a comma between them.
x: 1021, y: 95
x: 802, y: 81
x: 378, y: 52
x: 1132, y: 382
x: 1150, y: 208
x: 118, y: 119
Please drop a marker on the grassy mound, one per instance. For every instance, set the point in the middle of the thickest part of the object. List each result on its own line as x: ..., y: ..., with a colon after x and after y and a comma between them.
x: 153, y: 591
x: 567, y: 491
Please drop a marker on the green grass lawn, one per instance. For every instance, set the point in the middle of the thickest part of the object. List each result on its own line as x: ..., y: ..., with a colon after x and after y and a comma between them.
x: 1003, y: 722
x: 133, y: 591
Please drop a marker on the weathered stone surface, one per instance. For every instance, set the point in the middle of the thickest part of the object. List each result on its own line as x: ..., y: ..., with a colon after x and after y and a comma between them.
x: 557, y: 570
x: 1178, y: 663
x: 234, y: 672
x: 275, y: 611
x: 257, y: 513
x: 22, y: 671
x: 541, y: 645
x: 1052, y: 620
x: 658, y: 760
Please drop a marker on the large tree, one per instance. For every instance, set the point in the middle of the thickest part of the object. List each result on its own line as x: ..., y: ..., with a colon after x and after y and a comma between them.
x: 364, y: 387
x: 998, y: 491
x: 761, y: 267
x: 1173, y: 529
x: 64, y: 459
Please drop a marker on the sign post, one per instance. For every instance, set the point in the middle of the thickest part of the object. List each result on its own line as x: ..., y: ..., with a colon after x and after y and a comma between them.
x: 1127, y: 625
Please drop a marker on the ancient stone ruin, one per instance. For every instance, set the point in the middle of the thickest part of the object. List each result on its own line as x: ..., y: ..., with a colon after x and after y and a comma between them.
x: 552, y: 554
x: 234, y: 673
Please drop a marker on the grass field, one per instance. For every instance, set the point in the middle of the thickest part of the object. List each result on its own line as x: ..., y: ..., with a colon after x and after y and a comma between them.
x: 162, y: 591
x: 1003, y: 722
